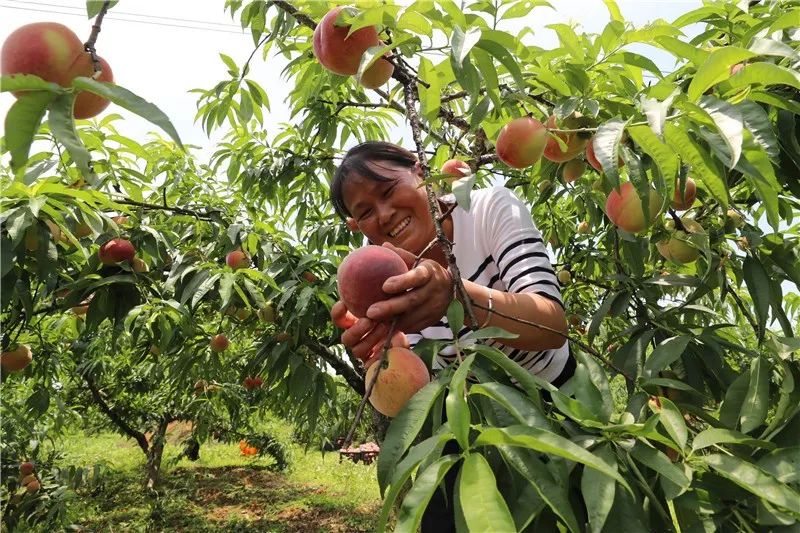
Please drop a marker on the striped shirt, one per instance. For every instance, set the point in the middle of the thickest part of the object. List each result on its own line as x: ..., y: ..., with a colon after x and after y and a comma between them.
x: 497, y: 245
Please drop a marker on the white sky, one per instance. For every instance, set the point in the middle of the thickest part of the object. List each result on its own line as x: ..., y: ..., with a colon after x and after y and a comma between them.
x: 162, y: 49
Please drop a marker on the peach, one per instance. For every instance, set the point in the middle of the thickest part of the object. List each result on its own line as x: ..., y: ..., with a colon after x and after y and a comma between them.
x: 17, y: 359
x: 283, y: 336
x: 684, y: 199
x: 309, y: 277
x: 82, y: 230
x: 521, y: 142
x: 139, y: 265
x: 44, y: 49
x: 266, y: 314
x: 341, y: 54
x: 219, y: 343
x: 624, y: 208
x: 26, y: 468
x: 33, y: 486
x: 573, y: 170
x: 583, y: 227
x: 398, y: 382
x: 237, y: 259
x: 88, y: 105
x: 361, y: 275
x: 455, y: 169
x: 564, y: 277
x: 26, y: 480
x: 592, y: 159
x: 79, y: 310
x: 574, y: 142
x: 116, y: 250
x: 679, y: 246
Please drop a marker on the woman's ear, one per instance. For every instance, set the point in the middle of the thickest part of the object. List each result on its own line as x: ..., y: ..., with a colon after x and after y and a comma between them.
x: 352, y: 224
x: 418, y: 170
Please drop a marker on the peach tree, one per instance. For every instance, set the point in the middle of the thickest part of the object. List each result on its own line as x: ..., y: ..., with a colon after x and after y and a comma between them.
x: 668, y: 200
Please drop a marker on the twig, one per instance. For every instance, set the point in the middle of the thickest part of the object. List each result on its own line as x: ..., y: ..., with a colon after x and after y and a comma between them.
x: 157, y: 207
x: 89, y: 45
x: 139, y: 437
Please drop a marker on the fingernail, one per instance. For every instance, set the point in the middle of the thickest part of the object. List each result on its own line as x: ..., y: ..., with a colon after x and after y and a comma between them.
x: 373, y: 311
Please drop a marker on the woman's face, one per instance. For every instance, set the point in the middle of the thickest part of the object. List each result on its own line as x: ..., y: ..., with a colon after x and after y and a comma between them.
x: 393, y: 211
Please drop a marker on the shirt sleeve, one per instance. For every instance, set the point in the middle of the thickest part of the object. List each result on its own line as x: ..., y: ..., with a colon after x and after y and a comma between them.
x: 517, y: 246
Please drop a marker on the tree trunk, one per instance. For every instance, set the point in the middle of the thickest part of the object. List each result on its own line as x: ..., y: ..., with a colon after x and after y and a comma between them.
x: 154, y: 455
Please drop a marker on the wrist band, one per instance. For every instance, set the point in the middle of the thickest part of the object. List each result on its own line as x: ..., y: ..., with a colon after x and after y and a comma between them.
x: 489, y: 314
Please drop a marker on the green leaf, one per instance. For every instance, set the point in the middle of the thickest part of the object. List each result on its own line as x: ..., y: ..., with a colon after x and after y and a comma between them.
x: 482, y: 504
x: 491, y: 332
x: 672, y: 420
x: 656, y: 112
x: 526, y: 380
x: 404, y: 429
x: 635, y: 60
x: 415, y: 502
x: 569, y: 40
x: 461, y: 43
x: 715, y: 69
x: 657, y: 461
x: 455, y: 316
x: 133, y: 103
x: 93, y: 7
x: 756, y: 401
x: 784, y: 464
x: 28, y: 82
x: 702, y: 164
x: 63, y: 128
x: 613, y: 10
x: 757, y: 122
x: 757, y: 281
x: 665, y: 354
x: 663, y: 155
x: 597, y: 390
x: 513, y: 401
x: 712, y: 436
x: 416, y: 455
x: 547, y: 442
x: 729, y: 122
x: 430, y: 98
x: 755, y: 481
x: 606, y: 147
x: 598, y: 489
x: 682, y: 50
x: 499, y: 52
x: 458, y: 415
x: 534, y: 470
x: 764, y: 74
x: 22, y: 122
x: 734, y: 397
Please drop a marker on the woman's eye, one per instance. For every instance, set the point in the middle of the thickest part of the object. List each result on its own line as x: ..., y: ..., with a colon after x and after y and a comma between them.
x: 388, y: 191
x: 365, y: 214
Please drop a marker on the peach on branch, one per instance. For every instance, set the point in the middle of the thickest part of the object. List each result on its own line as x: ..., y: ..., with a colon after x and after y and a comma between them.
x: 16, y: 359
x: 573, y: 170
x: 564, y: 277
x: 573, y: 141
x: 26, y: 468
x: 455, y: 169
x: 684, y: 198
x: 624, y: 208
x: 116, y: 250
x: 44, y: 49
x: 237, y: 259
x: 283, y: 336
x: 583, y: 227
x: 341, y: 53
x: 521, y: 142
x: 219, y: 343
x: 680, y: 247
x: 404, y: 376
x: 361, y: 275
x: 735, y: 220
x: 309, y: 276
x: 139, y: 265
x: 88, y: 105
x: 266, y: 314
x: 82, y: 230
x: 591, y: 158
x: 33, y: 486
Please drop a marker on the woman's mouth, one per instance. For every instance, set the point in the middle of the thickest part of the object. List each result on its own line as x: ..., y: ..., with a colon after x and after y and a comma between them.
x: 400, y: 227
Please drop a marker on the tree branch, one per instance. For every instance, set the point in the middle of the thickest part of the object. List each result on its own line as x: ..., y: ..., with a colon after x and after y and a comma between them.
x: 343, y: 369
x: 115, y: 417
x: 89, y: 45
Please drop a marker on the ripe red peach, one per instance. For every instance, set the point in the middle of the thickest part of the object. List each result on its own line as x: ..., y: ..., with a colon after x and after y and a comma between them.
x: 116, y: 250
x: 17, y: 359
x: 88, y: 105
x: 44, y: 49
x: 341, y: 54
x: 455, y: 169
x: 398, y: 382
x: 361, y: 276
x: 237, y: 259
x: 624, y: 208
x: 219, y: 343
x: 521, y: 142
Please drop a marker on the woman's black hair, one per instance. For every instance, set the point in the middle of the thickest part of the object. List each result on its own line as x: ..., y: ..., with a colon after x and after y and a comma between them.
x: 355, y: 161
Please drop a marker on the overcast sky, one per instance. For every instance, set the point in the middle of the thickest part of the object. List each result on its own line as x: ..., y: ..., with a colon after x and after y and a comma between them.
x: 162, y: 49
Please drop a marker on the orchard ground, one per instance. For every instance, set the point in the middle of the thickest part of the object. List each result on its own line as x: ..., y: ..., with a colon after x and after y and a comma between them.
x: 223, y: 490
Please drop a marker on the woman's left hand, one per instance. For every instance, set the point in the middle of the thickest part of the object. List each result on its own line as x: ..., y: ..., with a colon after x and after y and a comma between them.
x: 420, y: 296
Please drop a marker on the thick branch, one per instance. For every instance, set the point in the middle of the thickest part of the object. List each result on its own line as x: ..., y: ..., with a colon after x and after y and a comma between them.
x: 115, y: 417
x: 157, y: 207
x: 293, y: 11
x: 350, y: 376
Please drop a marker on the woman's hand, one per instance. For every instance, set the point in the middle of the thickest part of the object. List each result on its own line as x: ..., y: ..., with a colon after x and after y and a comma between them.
x: 363, y: 336
x: 420, y: 296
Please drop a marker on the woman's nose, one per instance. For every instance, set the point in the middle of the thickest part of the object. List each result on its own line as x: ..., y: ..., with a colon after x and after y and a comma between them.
x: 384, y: 214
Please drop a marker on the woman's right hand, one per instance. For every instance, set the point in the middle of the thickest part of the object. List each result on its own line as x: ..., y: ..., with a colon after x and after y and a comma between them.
x: 362, y: 335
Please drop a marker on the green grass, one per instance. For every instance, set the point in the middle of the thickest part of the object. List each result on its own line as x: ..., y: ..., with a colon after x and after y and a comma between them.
x: 222, y: 491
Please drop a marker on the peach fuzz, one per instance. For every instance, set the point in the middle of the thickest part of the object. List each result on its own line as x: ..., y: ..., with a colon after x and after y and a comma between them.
x: 361, y: 275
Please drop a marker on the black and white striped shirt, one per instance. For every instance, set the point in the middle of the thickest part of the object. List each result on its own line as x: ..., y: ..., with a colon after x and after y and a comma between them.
x: 497, y: 245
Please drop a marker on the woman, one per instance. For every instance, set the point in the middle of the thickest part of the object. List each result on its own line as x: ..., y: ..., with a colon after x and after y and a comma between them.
x: 499, y: 252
